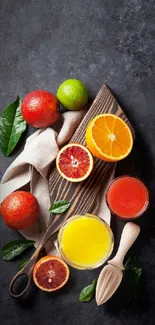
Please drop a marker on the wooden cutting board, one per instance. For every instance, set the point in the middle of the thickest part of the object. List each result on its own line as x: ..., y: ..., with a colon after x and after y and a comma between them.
x: 84, y: 196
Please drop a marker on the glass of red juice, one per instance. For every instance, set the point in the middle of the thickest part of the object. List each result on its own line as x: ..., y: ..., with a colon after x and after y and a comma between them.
x: 127, y: 197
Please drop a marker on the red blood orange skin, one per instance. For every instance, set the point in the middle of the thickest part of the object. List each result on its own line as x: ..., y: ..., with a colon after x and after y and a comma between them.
x: 50, y: 273
x: 20, y: 210
x: 40, y: 109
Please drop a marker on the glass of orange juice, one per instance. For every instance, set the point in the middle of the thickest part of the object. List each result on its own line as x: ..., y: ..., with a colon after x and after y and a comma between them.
x: 85, y: 241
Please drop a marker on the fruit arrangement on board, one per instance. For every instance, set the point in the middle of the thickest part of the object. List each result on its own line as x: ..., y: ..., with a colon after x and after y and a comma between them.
x: 108, y: 138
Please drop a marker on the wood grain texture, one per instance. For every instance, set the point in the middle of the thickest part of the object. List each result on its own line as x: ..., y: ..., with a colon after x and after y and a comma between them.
x: 84, y: 196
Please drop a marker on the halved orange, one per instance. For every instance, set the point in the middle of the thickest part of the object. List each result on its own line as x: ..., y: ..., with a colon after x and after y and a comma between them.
x: 74, y: 162
x: 109, y: 138
x: 50, y: 273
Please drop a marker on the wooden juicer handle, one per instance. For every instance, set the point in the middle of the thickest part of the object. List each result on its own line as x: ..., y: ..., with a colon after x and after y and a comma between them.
x: 128, y: 237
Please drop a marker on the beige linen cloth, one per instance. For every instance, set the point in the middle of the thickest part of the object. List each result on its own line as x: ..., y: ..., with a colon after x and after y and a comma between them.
x: 32, y: 168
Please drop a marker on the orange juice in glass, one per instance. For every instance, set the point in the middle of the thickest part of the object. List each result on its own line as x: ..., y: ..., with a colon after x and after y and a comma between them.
x: 85, y: 241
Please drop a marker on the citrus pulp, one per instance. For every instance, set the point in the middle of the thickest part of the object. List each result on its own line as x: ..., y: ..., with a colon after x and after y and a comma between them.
x: 109, y: 138
x: 50, y: 273
x: 74, y: 162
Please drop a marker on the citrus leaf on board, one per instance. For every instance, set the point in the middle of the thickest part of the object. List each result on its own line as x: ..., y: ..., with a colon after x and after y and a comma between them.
x: 59, y: 206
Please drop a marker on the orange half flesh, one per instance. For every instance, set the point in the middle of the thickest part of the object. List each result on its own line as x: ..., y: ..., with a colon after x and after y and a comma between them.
x: 109, y: 138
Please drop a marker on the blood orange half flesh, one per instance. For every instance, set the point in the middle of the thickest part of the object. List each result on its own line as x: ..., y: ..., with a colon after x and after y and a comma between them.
x: 50, y: 273
x: 74, y: 162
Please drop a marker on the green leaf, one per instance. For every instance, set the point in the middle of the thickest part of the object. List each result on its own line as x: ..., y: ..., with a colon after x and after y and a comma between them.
x: 88, y: 292
x: 12, y: 125
x: 59, y: 207
x: 22, y: 263
x: 132, y: 264
x: 15, y: 248
x: 132, y: 274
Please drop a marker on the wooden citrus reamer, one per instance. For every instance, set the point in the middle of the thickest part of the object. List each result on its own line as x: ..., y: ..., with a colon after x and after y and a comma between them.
x: 112, y: 274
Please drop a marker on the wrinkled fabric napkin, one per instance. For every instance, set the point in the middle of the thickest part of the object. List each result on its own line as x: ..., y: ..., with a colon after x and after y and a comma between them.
x: 31, y: 168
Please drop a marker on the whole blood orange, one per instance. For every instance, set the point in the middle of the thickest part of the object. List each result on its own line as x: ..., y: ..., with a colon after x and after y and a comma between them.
x: 109, y: 138
x: 20, y: 210
x: 74, y: 162
x: 50, y: 273
x: 40, y: 108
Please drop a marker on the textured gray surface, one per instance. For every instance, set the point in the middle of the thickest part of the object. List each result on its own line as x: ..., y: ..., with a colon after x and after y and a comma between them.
x: 41, y: 44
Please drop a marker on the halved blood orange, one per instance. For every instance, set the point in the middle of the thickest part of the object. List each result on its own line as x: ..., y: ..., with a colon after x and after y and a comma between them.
x: 109, y: 138
x: 50, y: 273
x: 74, y: 162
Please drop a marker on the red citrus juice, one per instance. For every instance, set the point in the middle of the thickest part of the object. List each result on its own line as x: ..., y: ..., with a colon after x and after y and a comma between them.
x: 127, y: 197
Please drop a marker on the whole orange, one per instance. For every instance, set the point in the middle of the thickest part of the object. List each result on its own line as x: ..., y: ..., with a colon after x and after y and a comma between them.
x: 40, y: 108
x: 20, y: 210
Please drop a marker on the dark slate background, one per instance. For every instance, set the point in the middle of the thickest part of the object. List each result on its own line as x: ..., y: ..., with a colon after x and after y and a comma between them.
x: 43, y: 43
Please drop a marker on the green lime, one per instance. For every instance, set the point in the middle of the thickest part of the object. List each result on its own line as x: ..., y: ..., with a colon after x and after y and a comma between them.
x: 72, y: 94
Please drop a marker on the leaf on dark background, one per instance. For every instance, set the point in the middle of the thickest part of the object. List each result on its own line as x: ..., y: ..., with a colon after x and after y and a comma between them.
x: 12, y: 125
x: 88, y: 293
x: 15, y: 248
x: 132, y: 274
x: 59, y: 206
x: 22, y: 263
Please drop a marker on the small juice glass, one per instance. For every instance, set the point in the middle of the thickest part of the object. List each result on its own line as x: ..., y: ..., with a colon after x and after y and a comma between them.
x: 127, y: 197
x: 85, y: 241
